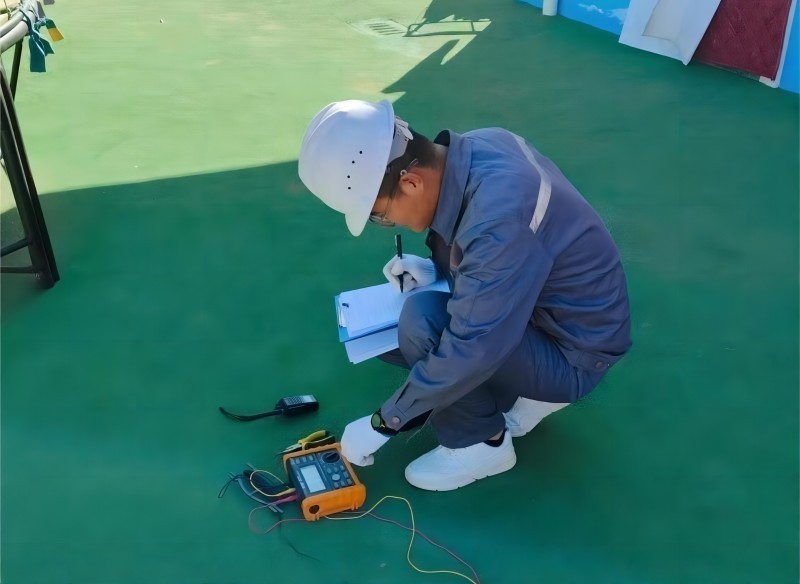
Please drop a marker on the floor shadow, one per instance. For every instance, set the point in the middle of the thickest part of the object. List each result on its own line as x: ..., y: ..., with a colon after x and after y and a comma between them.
x: 177, y: 296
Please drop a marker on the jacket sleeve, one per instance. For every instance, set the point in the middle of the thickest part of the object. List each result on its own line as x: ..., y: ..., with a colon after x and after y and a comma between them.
x: 500, y: 277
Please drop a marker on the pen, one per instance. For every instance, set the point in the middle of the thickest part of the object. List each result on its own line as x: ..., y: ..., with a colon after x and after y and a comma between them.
x: 398, y: 243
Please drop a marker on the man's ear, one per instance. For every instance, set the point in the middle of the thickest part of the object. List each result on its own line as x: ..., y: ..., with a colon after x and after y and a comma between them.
x: 410, y: 181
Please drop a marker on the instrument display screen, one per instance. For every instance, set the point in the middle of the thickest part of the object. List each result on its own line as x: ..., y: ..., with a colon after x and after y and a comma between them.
x: 313, y: 479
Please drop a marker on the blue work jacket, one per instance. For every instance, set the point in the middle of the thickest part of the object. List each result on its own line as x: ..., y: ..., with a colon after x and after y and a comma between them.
x: 520, y: 247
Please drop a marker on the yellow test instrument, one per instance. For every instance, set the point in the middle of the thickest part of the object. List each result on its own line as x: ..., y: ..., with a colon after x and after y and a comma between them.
x: 324, y: 481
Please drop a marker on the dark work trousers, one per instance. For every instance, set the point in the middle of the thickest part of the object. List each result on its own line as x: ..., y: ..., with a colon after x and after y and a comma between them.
x: 536, y: 370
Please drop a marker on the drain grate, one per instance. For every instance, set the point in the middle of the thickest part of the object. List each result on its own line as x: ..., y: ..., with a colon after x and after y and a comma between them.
x: 380, y: 27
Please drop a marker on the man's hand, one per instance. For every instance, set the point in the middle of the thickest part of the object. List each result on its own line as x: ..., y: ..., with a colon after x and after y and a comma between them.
x: 360, y: 441
x: 418, y: 271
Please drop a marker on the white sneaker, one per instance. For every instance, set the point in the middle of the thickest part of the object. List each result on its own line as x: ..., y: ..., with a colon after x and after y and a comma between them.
x: 526, y: 414
x: 445, y: 469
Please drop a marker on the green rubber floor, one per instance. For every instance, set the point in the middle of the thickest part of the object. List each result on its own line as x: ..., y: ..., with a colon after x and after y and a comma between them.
x: 197, y: 272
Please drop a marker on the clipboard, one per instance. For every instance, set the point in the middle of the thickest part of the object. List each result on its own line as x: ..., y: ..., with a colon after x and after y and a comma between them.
x: 373, y: 310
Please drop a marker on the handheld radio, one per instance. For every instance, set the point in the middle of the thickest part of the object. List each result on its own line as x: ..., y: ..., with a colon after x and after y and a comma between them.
x: 287, y: 406
x: 324, y: 480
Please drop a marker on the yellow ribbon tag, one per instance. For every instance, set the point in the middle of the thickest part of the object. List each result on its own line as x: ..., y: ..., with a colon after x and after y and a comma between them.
x: 55, y: 34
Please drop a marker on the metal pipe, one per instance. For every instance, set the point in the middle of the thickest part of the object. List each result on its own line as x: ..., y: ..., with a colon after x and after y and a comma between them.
x: 17, y: 34
x: 12, y: 22
x: 17, y: 270
x: 15, y: 67
x: 16, y: 29
x: 16, y: 17
x: 22, y: 243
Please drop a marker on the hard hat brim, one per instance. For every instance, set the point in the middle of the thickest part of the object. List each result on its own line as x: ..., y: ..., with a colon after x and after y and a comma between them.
x: 357, y: 218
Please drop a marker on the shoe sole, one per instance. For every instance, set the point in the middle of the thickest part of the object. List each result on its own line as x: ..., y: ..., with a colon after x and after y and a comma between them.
x: 503, y: 468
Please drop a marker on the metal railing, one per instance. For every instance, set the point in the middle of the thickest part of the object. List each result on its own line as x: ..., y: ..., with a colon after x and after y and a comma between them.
x: 15, y: 161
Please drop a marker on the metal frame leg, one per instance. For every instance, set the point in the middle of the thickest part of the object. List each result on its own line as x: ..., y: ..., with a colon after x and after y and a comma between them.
x: 15, y: 67
x: 17, y: 167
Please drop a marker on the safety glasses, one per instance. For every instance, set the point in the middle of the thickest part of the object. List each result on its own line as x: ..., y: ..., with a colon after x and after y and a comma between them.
x: 380, y: 218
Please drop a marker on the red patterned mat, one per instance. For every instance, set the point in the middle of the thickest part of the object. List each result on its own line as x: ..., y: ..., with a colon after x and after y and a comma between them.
x: 746, y: 35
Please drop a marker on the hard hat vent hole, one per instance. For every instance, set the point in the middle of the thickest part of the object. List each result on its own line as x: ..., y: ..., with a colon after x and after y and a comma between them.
x: 353, y: 161
x: 361, y: 152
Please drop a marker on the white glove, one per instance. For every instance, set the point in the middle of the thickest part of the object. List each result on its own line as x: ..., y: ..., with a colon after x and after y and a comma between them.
x: 416, y: 271
x: 360, y: 441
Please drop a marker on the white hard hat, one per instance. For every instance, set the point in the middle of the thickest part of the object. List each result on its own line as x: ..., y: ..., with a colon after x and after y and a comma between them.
x: 345, y: 152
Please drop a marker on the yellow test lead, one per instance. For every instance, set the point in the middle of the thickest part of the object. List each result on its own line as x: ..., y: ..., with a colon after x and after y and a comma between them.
x: 411, y: 541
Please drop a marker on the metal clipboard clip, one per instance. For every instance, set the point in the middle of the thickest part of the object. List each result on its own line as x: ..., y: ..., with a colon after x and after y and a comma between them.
x: 341, y: 313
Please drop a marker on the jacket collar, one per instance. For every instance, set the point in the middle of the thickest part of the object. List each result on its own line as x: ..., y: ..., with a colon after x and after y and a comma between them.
x: 454, y: 183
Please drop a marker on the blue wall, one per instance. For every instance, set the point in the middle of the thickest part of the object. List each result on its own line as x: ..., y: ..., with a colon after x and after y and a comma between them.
x: 791, y: 66
x: 605, y: 14
x: 610, y: 14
